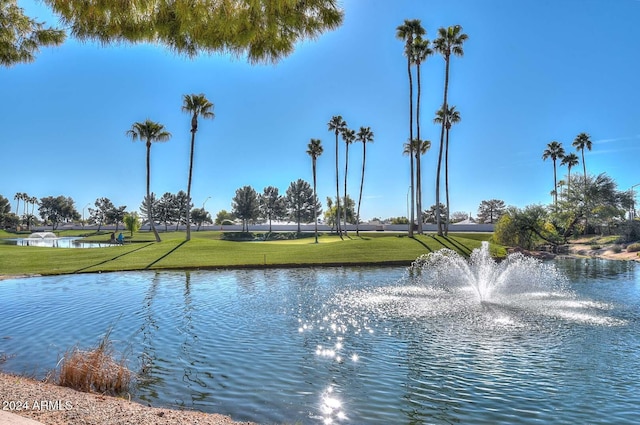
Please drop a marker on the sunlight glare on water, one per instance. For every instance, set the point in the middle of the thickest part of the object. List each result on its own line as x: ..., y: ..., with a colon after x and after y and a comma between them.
x: 352, y: 345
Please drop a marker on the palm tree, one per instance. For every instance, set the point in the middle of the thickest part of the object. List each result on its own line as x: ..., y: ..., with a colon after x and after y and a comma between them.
x: 419, y: 148
x: 420, y: 52
x: 452, y: 117
x: 34, y: 202
x: 407, y: 32
x: 25, y: 202
x: 561, y: 184
x: 196, y: 105
x: 314, y: 150
x: 450, y: 40
x: 582, y: 141
x: 570, y: 160
x: 349, y: 136
x: 554, y: 151
x: 17, y: 197
x: 28, y: 216
x: 337, y: 125
x: 365, y: 135
x: 150, y: 132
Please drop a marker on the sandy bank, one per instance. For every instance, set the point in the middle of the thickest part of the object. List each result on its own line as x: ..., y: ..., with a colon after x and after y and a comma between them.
x: 54, y: 405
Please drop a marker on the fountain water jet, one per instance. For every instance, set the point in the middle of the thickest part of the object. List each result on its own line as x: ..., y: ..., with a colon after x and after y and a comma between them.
x: 479, y: 293
x: 489, y: 280
x: 42, y: 235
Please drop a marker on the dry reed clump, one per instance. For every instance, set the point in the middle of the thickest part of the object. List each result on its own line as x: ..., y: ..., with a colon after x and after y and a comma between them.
x: 95, y: 370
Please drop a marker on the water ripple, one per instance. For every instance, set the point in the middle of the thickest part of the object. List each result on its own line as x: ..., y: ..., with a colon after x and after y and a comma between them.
x: 346, y: 345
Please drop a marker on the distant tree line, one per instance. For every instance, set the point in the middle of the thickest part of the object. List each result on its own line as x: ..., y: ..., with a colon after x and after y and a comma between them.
x: 52, y: 210
x: 589, y: 204
x: 299, y: 204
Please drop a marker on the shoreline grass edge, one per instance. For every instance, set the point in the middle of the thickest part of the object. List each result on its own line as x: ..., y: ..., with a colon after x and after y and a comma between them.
x: 207, y: 252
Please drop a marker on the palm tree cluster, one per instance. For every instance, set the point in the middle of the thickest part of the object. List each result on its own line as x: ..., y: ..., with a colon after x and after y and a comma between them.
x: 28, y: 218
x: 555, y: 151
x: 197, y: 105
x: 417, y: 50
x: 338, y: 126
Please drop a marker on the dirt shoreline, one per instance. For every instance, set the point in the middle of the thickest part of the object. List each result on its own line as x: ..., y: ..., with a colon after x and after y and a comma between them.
x: 607, y: 252
x: 584, y: 249
x: 17, y: 276
x: 51, y: 404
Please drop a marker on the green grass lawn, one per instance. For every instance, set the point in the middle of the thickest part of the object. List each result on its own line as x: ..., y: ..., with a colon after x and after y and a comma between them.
x: 206, y: 250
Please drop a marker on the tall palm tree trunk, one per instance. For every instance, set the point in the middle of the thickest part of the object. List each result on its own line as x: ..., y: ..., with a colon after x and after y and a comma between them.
x: 338, y: 229
x: 446, y: 180
x: 364, y: 158
x: 586, y: 213
x: 346, y: 170
x: 188, y: 214
x: 149, y: 202
x: 412, y: 184
x: 445, y: 108
x: 315, y: 210
x: 555, y: 186
x: 418, y: 154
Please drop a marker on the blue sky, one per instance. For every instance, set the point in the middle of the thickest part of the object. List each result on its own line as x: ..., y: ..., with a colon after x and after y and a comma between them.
x: 533, y: 71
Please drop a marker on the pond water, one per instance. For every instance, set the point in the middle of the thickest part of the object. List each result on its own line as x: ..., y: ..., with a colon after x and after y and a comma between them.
x: 63, y: 242
x: 347, y: 345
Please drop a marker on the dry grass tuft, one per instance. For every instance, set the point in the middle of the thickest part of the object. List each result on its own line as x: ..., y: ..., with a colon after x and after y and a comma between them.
x: 96, y: 370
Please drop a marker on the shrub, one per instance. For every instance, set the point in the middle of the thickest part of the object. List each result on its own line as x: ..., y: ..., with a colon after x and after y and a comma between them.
x: 132, y: 222
x: 616, y: 249
x: 273, y: 236
x: 95, y: 370
x: 594, y: 247
x: 630, y: 230
x: 634, y: 247
x: 237, y: 236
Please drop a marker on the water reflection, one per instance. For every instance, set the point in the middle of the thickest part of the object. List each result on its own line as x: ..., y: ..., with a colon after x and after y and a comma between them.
x: 195, y: 370
x: 149, y: 377
x: 581, y: 269
x: 54, y: 242
x: 331, y: 407
x: 347, y: 346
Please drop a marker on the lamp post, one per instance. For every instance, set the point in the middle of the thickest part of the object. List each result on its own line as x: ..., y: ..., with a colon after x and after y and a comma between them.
x: 408, y: 191
x: 205, y: 201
